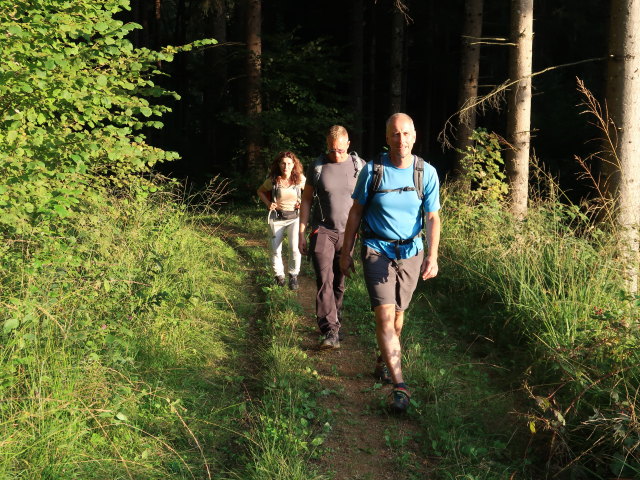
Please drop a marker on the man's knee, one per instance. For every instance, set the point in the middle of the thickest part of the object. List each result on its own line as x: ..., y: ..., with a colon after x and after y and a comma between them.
x: 385, y: 316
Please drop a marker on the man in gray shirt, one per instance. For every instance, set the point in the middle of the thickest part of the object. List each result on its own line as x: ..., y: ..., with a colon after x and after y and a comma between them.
x: 331, y: 179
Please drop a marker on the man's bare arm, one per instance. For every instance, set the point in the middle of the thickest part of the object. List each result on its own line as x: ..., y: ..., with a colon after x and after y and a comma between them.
x: 305, y: 210
x: 353, y: 222
x: 432, y: 232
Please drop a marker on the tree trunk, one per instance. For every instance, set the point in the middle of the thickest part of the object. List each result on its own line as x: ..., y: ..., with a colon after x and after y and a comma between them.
x: 621, y: 172
x: 519, y: 105
x: 371, y: 91
x: 216, y: 66
x: 253, y: 99
x: 397, y: 55
x: 180, y: 78
x: 469, y: 71
x: 357, y: 72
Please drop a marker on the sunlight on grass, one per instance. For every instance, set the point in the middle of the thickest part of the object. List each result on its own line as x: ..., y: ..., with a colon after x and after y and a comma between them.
x: 124, y: 349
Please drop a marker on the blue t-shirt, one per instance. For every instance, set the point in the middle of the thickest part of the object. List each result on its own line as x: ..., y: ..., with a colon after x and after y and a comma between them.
x: 396, y: 215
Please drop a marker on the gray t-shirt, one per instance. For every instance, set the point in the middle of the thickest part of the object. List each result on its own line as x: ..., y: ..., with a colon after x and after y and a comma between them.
x: 334, y: 189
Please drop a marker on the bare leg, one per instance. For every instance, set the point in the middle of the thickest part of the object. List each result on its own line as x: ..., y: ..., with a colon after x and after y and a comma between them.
x: 388, y: 328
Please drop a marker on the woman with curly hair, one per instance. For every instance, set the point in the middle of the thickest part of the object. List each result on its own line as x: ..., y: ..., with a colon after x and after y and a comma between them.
x: 281, y: 193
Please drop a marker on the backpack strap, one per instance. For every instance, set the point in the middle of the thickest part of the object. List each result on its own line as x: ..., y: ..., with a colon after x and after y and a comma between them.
x: 317, y: 171
x: 274, y: 188
x: 378, y: 171
x: 374, y: 187
x: 418, y: 175
x: 299, y: 195
x: 315, y: 182
x: 358, y: 163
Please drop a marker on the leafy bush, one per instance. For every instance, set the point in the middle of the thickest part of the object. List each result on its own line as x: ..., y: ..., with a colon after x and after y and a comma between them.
x: 74, y: 97
x: 483, y: 168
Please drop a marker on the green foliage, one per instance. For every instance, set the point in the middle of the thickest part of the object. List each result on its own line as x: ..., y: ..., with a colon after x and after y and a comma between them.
x: 74, y: 97
x: 120, y: 347
x: 551, y: 289
x: 301, y: 95
x: 483, y: 168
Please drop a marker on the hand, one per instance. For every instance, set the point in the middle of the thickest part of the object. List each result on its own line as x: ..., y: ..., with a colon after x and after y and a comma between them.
x: 346, y: 265
x: 429, y: 268
x: 302, y: 244
x: 272, y: 206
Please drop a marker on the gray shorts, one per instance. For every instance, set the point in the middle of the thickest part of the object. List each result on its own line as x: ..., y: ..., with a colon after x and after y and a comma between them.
x: 390, y: 282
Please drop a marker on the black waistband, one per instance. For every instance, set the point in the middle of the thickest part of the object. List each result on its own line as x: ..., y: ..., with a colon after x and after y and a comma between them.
x: 369, y: 234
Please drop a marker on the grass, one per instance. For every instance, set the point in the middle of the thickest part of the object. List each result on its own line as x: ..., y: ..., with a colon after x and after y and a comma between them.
x: 124, y: 349
x: 525, y: 330
x: 148, y: 342
x: 545, y: 291
x: 287, y: 427
x: 456, y: 398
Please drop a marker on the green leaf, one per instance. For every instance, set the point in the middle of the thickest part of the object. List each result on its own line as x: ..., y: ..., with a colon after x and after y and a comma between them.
x: 11, y: 324
x: 122, y: 417
x: 15, y: 30
x: 101, y: 26
x: 11, y: 136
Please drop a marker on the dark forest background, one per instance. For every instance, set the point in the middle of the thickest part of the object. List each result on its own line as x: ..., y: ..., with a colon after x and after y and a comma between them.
x: 307, y: 76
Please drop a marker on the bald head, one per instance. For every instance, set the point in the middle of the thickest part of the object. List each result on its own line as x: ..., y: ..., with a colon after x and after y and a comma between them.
x: 399, y: 117
x: 401, y: 135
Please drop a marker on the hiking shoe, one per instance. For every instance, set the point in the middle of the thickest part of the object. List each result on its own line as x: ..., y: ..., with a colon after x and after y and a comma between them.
x: 381, y: 372
x: 400, y: 400
x: 330, y: 341
x: 293, y: 282
x: 280, y: 280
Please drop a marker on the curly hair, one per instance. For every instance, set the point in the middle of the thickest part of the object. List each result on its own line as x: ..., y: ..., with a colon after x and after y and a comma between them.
x: 296, y: 172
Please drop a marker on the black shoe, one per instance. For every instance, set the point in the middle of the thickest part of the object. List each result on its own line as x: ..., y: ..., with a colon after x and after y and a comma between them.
x: 293, y: 282
x: 400, y: 400
x: 280, y: 280
x: 330, y: 342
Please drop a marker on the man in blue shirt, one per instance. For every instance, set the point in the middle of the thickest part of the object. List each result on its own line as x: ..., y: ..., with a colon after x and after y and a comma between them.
x: 393, y: 255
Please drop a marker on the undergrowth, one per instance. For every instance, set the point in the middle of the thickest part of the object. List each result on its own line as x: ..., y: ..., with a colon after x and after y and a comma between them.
x: 456, y: 396
x: 121, y: 349
x: 557, y: 302
x: 287, y: 426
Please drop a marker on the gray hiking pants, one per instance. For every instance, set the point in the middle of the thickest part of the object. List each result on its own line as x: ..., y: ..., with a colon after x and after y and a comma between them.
x: 324, y: 247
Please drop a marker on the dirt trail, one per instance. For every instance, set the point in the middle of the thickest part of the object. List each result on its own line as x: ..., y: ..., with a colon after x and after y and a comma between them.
x: 356, y: 449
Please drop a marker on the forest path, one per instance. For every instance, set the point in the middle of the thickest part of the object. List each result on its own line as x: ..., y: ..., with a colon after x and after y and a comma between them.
x: 464, y: 385
x: 358, y: 447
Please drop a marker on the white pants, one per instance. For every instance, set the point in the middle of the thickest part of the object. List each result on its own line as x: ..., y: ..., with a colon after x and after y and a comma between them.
x: 278, y: 229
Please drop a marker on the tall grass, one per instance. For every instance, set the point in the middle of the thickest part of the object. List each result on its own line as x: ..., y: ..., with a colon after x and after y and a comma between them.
x: 459, y: 402
x: 287, y: 426
x: 121, y: 345
x: 555, y: 283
